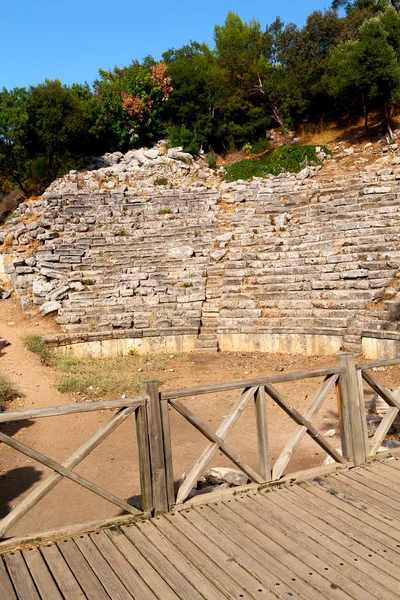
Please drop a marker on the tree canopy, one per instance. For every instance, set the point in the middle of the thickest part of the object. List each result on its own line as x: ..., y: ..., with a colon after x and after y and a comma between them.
x: 343, y: 63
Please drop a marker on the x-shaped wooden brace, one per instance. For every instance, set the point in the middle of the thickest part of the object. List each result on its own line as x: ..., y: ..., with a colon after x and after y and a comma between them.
x: 65, y: 470
x: 390, y: 416
x: 305, y: 424
x: 216, y: 443
x: 295, y: 439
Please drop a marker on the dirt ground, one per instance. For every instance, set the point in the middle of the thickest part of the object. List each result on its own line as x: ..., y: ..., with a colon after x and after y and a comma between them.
x: 114, y: 464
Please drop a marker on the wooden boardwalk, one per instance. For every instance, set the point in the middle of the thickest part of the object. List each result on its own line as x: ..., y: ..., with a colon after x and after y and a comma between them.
x: 332, y: 537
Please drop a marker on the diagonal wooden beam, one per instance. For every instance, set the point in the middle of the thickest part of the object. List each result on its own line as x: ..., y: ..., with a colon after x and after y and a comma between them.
x: 210, y: 451
x: 210, y: 435
x: 41, y: 490
x: 55, y: 466
x: 380, y: 389
x: 300, y: 420
x: 295, y: 439
x: 382, y: 430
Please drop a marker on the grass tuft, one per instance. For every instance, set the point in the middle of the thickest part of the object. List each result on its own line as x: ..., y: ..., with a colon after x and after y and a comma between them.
x: 37, y: 345
x: 7, y: 391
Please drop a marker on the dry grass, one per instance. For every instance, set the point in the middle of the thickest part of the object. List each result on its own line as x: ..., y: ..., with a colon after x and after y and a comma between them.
x: 7, y: 391
x: 108, y: 377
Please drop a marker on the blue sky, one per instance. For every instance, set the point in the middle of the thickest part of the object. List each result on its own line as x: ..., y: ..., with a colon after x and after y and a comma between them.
x: 71, y: 40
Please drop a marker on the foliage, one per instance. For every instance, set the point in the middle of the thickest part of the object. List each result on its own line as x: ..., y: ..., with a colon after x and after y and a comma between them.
x: 37, y: 345
x: 190, y: 111
x: 260, y: 146
x: 287, y: 158
x: 339, y: 63
x: 8, y: 391
x: 211, y: 159
x: 133, y: 99
x: 366, y: 71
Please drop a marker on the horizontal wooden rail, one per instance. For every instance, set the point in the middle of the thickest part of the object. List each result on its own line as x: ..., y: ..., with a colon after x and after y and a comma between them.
x: 70, y: 409
x: 248, y: 383
x: 387, y: 362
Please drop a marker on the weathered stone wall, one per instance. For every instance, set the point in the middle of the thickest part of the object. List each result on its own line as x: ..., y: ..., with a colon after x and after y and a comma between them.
x: 272, y: 265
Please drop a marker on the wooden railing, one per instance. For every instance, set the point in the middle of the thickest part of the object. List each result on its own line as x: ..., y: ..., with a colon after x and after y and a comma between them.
x: 124, y: 409
x: 364, y: 374
x: 151, y: 412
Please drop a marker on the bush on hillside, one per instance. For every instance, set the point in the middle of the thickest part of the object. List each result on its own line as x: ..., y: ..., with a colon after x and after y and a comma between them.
x: 287, y: 158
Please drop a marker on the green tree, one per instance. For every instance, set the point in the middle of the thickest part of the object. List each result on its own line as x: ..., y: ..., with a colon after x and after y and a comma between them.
x: 133, y: 99
x: 14, y: 165
x: 190, y: 110
x: 367, y: 70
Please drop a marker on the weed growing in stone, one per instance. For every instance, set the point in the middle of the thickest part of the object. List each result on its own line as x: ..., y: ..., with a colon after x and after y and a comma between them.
x: 165, y: 211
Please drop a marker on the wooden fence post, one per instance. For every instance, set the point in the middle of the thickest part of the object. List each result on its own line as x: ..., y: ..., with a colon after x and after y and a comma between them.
x: 351, y: 412
x: 158, y: 470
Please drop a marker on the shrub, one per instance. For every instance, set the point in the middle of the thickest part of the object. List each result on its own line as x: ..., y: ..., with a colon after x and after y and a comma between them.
x: 211, y: 159
x: 161, y: 181
x: 36, y: 344
x: 260, y: 146
x: 179, y: 135
x: 7, y: 391
x: 165, y: 211
x: 287, y: 158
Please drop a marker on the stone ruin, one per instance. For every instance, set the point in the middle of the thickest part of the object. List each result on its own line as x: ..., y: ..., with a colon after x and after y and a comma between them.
x: 152, y: 250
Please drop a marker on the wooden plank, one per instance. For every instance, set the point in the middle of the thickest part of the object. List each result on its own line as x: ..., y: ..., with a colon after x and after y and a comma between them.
x: 20, y: 577
x: 298, y: 476
x: 159, y: 483
x: 62, y: 574
x: 354, y: 440
x: 121, y: 567
x: 104, y: 573
x: 236, y: 578
x: 169, y: 471
x: 182, y: 586
x: 380, y: 389
x: 45, y: 584
x: 210, y: 451
x: 70, y: 409
x: 260, y: 405
x: 52, y: 464
x: 180, y: 561
x: 54, y: 478
x: 359, y: 512
x: 142, y: 436
x: 294, y: 552
x: 287, y: 559
x: 380, y: 434
x: 386, y: 362
x: 248, y: 383
x: 6, y: 587
x: 212, y: 437
x: 360, y: 535
x: 359, y: 490
x: 376, y: 480
x: 140, y: 564
x: 264, y: 566
x: 217, y: 573
x: 294, y: 521
x: 300, y: 420
x: 83, y: 573
x: 294, y: 441
x: 62, y: 532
